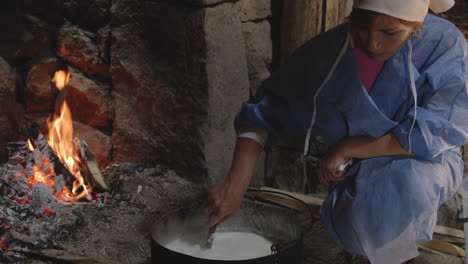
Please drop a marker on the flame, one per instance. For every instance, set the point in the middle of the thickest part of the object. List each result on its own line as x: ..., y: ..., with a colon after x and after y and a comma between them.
x: 30, y: 145
x: 60, y: 140
x: 61, y: 78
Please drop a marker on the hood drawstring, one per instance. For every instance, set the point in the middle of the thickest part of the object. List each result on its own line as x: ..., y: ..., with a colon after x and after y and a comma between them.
x: 413, y: 90
x: 305, y: 157
x: 325, y: 81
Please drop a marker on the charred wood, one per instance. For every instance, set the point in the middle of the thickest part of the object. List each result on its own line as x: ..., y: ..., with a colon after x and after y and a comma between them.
x: 16, y: 152
x: 72, y: 257
x: 43, y: 146
x: 3, y: 259
x: 90, y: 166
x: 59, y: 183
x: 43, y: 201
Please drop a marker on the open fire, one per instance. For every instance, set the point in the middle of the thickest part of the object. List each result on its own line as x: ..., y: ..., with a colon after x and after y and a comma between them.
x: 43, y: 178
x: 60, y: 140
x: 54, y: 197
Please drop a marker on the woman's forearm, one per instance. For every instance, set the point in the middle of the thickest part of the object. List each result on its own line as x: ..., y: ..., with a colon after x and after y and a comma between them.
x: 243, y: 163
x: 364, y: 147
x: 225, y: 198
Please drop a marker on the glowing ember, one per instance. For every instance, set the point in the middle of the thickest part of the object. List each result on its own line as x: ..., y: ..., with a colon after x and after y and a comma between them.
x: 47, y: 211
x: 65, y: 194
x: 43, y: 176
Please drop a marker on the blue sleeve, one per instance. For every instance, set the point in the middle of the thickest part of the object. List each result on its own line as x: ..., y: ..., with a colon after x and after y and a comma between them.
x: 283, y: 104
x: 442, y: 113
x: 266, y: 111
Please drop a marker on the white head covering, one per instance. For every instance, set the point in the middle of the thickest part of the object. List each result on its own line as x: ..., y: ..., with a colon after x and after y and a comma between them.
x: 409, y: 10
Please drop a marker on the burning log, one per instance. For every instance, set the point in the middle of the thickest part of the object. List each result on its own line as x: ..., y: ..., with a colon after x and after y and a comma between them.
x: 59, y: 183
x: 89, y: 164
x: 44, y: 148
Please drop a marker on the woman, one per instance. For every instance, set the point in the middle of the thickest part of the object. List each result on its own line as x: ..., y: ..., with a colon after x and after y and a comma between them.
x: 388, y: 90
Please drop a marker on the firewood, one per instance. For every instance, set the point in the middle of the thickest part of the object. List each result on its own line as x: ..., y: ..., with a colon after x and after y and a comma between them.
x: 309, y: 200
x: 57, y: 165
x: 445, y: 247
x: 89, y: 164
x: 72, y: 257
x: 448, y: 231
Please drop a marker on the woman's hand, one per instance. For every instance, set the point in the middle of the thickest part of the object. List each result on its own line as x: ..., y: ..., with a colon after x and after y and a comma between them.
x: 360, y: 147
x: 329, y: 164
x: 223, y: 201
x: 225, y: 198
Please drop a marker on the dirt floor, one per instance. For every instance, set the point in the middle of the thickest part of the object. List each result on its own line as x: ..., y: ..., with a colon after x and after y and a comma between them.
x: 320, y: 249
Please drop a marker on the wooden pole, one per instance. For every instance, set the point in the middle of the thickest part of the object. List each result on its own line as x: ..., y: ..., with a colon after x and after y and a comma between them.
x: 301, y: 21
x: 336, y: 11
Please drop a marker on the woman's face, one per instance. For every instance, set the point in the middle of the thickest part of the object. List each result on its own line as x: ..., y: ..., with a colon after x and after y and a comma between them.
x: 381, y: 36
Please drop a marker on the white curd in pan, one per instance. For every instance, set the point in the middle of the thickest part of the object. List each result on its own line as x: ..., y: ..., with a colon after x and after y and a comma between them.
x: 225, y: 246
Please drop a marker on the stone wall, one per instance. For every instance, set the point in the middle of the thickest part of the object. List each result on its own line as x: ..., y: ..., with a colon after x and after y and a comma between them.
x: 152, y: 81
x: 239, y: 57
